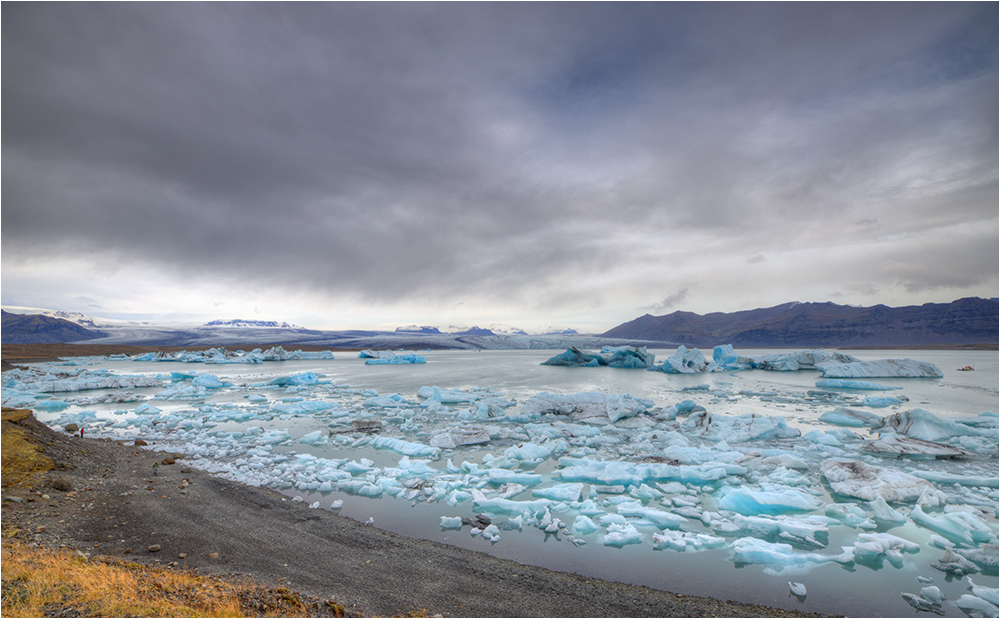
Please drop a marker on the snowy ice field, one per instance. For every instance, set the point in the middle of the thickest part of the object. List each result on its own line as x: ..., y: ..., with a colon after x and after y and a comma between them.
x: 754, y: 485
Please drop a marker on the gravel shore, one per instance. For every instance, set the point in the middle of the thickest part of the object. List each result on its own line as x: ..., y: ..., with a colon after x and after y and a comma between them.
x: 112, y: 504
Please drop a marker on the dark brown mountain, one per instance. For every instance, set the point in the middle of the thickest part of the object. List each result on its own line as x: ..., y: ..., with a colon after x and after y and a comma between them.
x: 40, y: 329
x: 966, y: 321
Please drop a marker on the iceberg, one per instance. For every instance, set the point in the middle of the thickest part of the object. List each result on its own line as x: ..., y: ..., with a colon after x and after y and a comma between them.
x: 686, y: 361
x: 778, y: 500
x: 868, y: 483
x: 862, y: 385
x: 885, y: 368
x: 683, y: 541
x: 959, y: 527
x: 589, y: 407
x: 450, y: 438
x: 800, y: 360
x: 738, y: 429
x: 628, y: 357
x: 777, y: 556
x: 620, y: 535
x: 896, y: 445
x: 923, y: 424
x: 851, y: 418
x: 397, y: 360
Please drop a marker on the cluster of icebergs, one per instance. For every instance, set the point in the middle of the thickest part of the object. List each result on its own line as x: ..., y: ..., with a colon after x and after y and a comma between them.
x: 724, y: 358
x: 618, y: 470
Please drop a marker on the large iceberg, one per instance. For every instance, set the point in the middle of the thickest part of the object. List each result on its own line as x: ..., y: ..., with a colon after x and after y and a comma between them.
x: 686, y: 361
x: 868, y: 483
x: 885, y: 368
x: 628, y: 357
x: 738, y: 429
x: 590, y: 407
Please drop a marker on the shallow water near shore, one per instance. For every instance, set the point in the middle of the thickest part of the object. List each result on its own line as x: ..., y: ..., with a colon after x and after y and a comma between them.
x: 853, y: 589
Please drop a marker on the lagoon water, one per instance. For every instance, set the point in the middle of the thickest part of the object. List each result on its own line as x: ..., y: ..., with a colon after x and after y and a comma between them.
x: 853, y: 589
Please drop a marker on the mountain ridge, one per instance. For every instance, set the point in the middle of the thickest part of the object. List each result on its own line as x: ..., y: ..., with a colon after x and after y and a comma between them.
x: 964, y: 321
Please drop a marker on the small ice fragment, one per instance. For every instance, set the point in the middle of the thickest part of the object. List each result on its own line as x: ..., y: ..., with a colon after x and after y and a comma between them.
x: 448, y: 522
x: 337, y: 504
x: 797, y: 589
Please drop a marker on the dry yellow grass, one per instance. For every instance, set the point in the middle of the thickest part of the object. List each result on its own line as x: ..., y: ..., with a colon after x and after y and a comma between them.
x: 37, y: 581
x: 22, y: 462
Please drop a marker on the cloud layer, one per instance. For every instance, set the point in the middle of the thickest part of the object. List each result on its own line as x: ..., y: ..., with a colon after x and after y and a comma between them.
x: 536, y: 164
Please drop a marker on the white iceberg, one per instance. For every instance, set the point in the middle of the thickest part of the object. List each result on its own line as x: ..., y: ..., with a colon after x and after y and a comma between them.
x: 866, y: 482
x: 885, y: 368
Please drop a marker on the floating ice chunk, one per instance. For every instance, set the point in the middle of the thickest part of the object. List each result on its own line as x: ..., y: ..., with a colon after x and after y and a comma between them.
x: 606, y: 473
x: 337, y: 504
x: 491, y: 533
x: 885, y: 368
x: 852, y: 418
x: 884, y: 513
x: 975, y: 606
x: 686, y: 361
x: 797, y: 589
x: 393, y: 400
x: 932, y: 594
x: 900, y: 445
x: 450, y: 438
x: 657, y: 517
x: 301, y: 408
x: 786, y: 460
x: 959, y: 527
x: 208, y: 381
x: 777, y: 556
x: 822, y: 438
x: 504, y: 476
x: 589, y: 407
x: 925, y: 425
x: 799, y: 360
x: 866, y: 482
x: 743, y: 500
x: 305, y: 378
x: 738, y: 429
x: 583, y: 525
x: 628, y: 357
x: 956, y: 564
x: 990, y: 594
x: 397, y: 360
x: 314, y: 438
x: 985, y: 555
x: 850, y: 514
x: 920, y: 603
x: 620, y: 535
x: 871, y: 547
x: 874, y: 401
x: 404, y: 447
x: 863, y: 385
x: 560, y: 492
x: 962, y: 480
x: 683, y: 541
x: 574, y: 357
x: 809, y: 530
x: 726, y: 358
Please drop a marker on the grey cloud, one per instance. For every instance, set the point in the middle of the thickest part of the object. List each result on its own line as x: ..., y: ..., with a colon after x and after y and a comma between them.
x: 421, y: 150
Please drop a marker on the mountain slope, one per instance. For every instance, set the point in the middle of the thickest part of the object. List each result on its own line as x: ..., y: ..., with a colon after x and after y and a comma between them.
x: 39, y: 329
x: 969, y: 320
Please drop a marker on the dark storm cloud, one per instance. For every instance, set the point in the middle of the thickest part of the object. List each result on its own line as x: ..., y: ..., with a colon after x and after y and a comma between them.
x: 432, y: 149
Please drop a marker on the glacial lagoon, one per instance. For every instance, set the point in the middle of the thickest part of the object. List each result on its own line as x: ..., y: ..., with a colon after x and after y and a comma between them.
x: 719, y: 484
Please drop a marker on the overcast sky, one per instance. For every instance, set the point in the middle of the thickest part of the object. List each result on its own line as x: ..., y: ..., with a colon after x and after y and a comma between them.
x: 572, y: 165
